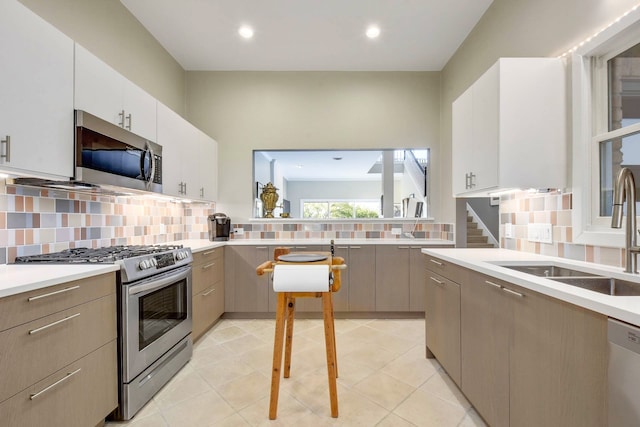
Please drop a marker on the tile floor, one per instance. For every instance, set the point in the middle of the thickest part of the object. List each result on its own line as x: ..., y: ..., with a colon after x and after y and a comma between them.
x: 384, y: 380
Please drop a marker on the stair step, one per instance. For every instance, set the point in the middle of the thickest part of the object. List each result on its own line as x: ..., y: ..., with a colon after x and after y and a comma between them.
x: 469, y: 218
x: 480, y: 245
x: 474, y: 232
x: 471, y: 225
x: 477, y: 239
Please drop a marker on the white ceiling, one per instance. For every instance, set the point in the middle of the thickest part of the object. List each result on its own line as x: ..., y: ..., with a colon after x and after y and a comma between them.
x: 301, y: 35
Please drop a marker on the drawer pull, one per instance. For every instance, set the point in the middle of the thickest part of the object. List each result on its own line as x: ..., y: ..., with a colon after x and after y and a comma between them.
x: 436, y: 262
x: 355, y: 247
x: 261, y: 247
x: 57, y: 322
x: 403, y: 247
x: 46, y: 389
x: 207, y: 293
x: 342, y: 247
x: 493, y: 284
x: 209, y: 253
x: 518, y: 294
x: 436, y: 280
x: 204, y: 267
x: 37, y: 297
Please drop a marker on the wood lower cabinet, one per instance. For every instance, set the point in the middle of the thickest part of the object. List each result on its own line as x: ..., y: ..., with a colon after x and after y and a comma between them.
x: 245, y: 292
x: 485, y: 327
x: 208, y: 289
x: 58, y: 354
x: 531, y: 360
x: 558, y: 363
x: 442, y: 322
x: 392, y: 278
x: 79, y: 395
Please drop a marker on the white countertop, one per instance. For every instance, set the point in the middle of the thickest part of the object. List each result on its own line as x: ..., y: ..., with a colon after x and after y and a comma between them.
x: 198, y: 245
x: 18, y: 278
x: 625, y: 308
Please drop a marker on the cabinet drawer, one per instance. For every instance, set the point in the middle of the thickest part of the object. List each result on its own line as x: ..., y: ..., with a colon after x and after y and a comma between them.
x: 208, y: 306
x: 31, y: 351
x: 25, y: 307
x: 79, y: 395
x: 207, y: 274
x: 207, y: 255
x: 446, y: 269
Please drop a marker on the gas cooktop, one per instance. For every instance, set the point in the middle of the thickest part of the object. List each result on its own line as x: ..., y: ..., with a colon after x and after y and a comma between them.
x: 106, y: 255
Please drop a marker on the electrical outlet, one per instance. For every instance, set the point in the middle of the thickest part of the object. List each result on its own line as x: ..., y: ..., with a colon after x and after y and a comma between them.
x: 508, y: 230
x: 238, y: 230
x: 540, y: 232
x: 396, y: 231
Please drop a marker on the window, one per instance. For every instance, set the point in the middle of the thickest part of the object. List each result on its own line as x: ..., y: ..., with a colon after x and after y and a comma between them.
x: 605, y: 77
x: 337, y: 209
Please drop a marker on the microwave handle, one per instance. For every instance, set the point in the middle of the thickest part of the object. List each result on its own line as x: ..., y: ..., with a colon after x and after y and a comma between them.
x: 153, y: 165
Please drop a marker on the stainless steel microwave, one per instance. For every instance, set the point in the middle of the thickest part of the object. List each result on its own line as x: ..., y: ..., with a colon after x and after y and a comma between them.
x: 107, y: 154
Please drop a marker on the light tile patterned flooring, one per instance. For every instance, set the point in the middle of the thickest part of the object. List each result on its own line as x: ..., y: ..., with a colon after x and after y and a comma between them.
x: 384, y: 380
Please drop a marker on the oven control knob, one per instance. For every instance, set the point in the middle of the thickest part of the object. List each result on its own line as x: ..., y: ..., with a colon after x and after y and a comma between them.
x: 153, y: 262
x: 144, y: 264
x: 181, y: 255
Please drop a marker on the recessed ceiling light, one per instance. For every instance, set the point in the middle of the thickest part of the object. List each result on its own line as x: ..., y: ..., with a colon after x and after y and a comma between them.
x: 337, y: 158
x: 373, y: 31
x: 245, y: 32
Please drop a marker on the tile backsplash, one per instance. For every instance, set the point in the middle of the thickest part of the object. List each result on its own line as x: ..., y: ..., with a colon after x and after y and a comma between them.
x: 34, y: 220
x: 344, y: 230
x: 523, y: 208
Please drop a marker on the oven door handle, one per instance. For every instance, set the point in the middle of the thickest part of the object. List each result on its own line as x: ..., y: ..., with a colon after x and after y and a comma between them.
x: 161, y: 281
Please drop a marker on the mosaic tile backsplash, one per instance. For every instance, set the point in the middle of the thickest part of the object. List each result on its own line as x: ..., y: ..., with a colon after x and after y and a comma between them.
x: 350, y: 230
x: 554, y: 208
x: 34, y: 221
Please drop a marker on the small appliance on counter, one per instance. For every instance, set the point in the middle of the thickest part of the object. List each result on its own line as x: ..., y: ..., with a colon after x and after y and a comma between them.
x: 219, y: 227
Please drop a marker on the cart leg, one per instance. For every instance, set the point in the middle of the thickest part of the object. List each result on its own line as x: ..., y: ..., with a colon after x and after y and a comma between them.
x: 291, y: 307
x: 277, y: 355
x: 329, y: 337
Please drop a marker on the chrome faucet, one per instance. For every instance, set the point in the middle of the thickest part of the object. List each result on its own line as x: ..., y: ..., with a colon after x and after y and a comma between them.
x: 625, y: 189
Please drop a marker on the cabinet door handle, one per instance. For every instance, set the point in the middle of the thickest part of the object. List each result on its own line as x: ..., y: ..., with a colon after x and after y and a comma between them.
x: 342, y: 247
x: 518, y: 294
x: 121, y: 122
x: 204, y: 267
x: 130, y: 121
x: 207, y: 293
x: 493, y: 284
x: 403, y: 247
x: 46, y: 389
x: 355, y: 247
x: 439, y: 282
x: 37, y: 297
x: 208, y: 253
x: 471, y: 183
x: 57, y: 322
x: 7, y: 153
x: 201, y: 191
x: 436, y: 262
x: 300, y: 247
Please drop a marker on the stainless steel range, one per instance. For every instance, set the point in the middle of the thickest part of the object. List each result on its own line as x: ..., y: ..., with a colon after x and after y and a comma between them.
x: 154, y: 314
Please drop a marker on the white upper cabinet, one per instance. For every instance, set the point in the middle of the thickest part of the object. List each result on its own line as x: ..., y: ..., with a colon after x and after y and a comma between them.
x: 208, y: 168
x: 103, y: 92
x: 189, y: 158
x: 509, y: 128
x: 36, y: 95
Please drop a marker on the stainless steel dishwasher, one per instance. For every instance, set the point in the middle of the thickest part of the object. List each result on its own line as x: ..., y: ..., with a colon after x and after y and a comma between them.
x: 624, y: 374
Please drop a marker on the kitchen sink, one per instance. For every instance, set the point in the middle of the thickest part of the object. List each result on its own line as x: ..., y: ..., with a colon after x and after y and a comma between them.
x: 604, y: 285
x: 549, y: 271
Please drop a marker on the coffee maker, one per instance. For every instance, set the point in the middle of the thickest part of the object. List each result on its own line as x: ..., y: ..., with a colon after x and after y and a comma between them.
x: 219, y: 227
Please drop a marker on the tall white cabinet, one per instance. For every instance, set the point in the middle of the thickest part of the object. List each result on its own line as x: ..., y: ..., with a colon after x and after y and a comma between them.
x: 509, y: 128
x: 36, y: 95
x: 103, y: 92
